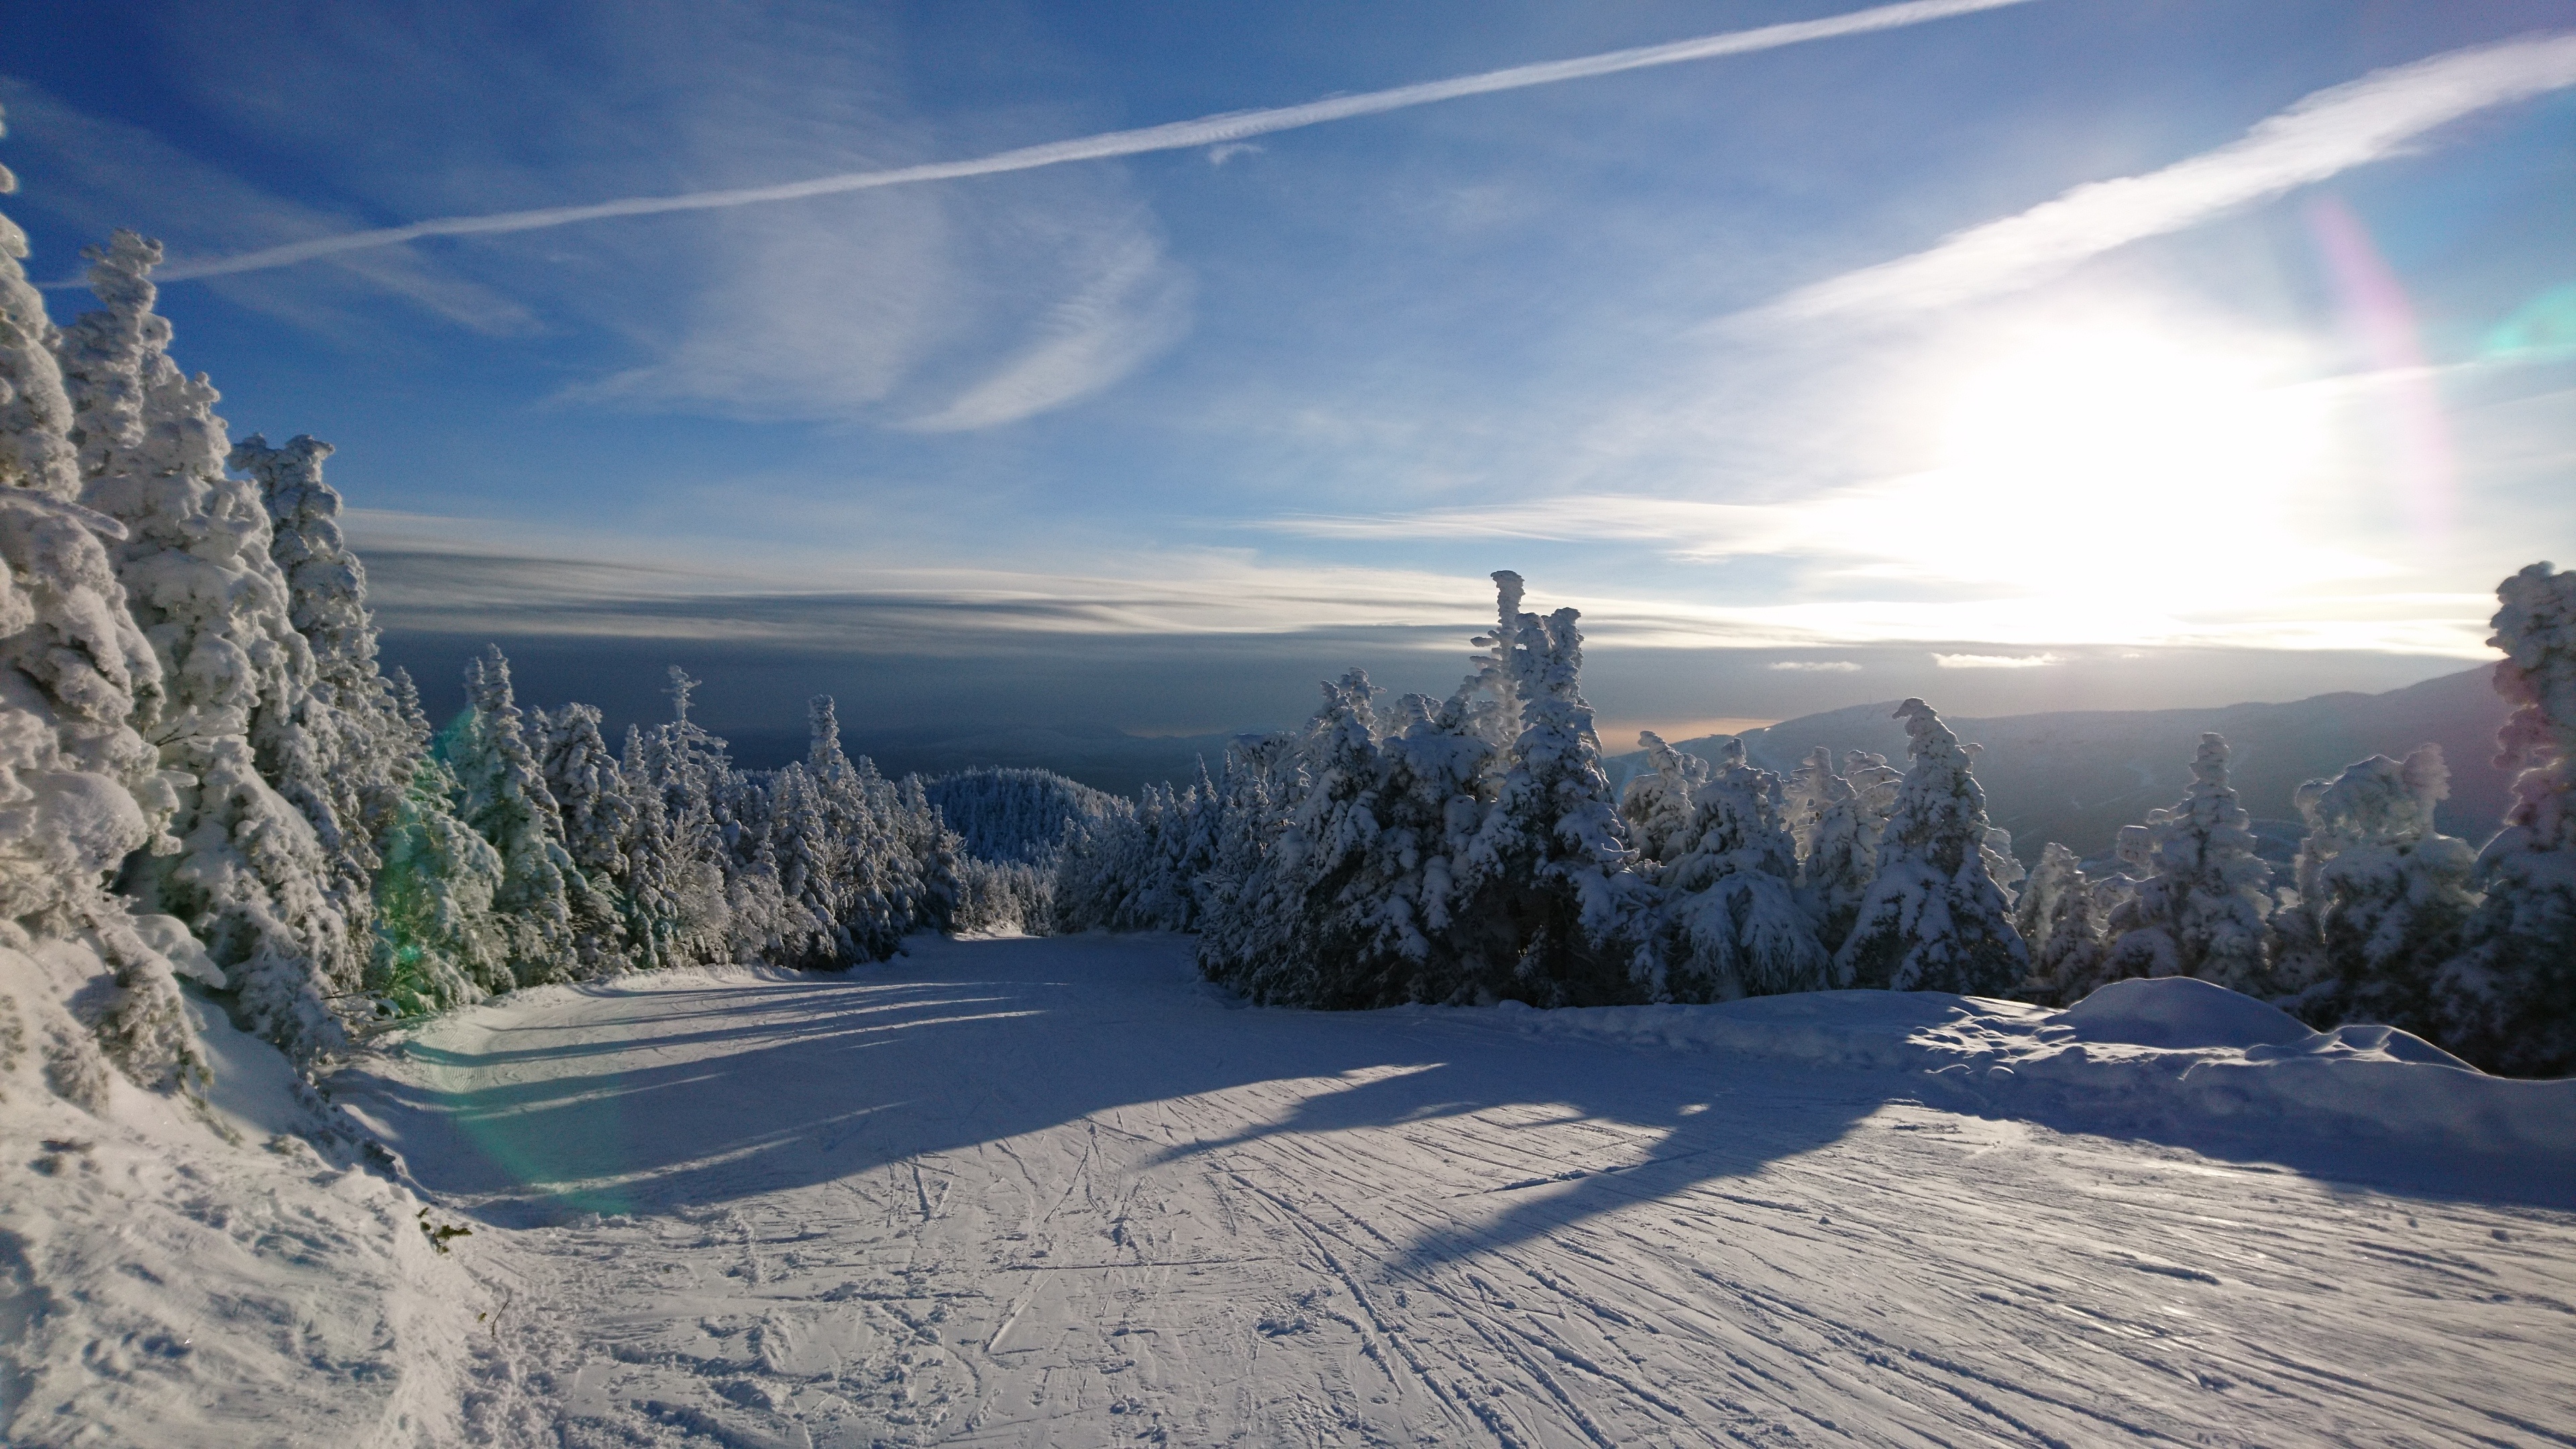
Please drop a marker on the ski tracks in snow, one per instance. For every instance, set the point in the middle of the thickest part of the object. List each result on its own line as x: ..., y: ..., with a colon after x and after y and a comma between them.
x: 1050, y: 1193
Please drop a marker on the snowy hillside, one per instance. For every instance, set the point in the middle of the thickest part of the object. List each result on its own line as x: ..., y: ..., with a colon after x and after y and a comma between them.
x: 1017, y: 815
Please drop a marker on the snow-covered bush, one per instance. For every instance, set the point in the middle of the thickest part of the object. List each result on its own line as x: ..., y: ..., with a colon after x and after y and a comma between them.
x: 2509, y: 997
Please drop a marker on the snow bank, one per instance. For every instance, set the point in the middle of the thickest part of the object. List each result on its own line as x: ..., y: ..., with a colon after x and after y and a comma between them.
x: 230, y: 1273
x: 2168, y: 1050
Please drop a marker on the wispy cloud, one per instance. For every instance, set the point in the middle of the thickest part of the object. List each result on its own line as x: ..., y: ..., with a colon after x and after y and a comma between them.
x: 105, y: 174
x: 2322, y: 135
x: 1130, y: 312
x: 1995, y: 661
x: 1817, y: 666
x: 1180, y: 135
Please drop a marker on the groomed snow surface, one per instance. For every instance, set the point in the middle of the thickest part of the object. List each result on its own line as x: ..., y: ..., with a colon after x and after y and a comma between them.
x: 1061, y: 1192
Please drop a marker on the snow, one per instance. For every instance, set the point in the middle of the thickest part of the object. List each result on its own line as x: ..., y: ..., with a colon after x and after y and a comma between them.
x: 1061, y: 1191
x: 231, y: 1275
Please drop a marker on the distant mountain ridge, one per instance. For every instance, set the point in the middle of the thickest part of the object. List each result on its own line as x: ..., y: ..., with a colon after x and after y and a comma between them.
x: 2076, y: 777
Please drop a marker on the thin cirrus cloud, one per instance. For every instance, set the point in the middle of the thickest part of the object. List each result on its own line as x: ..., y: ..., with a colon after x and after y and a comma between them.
x: 105, y: 174
x: 2322, y: 135
x: 1176, y: 136
x: 1995, y: 661
x: 1817, y: 666
x: 1129, y: 313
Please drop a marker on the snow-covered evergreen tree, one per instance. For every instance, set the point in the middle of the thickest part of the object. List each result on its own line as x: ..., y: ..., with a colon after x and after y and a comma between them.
x: 234, y: 705
x: 599, y: 815
x: 349, y: 762
x: 440, y: 942
x: 1848, y: 814
x: 1657, y: 803
x: 79, y: 787
x: 2381, y: 896
x: 1552, y: 910
x: 675, y: 900
x: 2203, y: 909
x: 2062, y: 928
x: 1733, y: 923
x: 543, y: 901
x: 2510, y: 995
x: 1933, y: 919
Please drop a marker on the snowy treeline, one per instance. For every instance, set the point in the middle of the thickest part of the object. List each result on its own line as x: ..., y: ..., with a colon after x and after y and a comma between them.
x: 1468, y: 849
x: 204, y: 771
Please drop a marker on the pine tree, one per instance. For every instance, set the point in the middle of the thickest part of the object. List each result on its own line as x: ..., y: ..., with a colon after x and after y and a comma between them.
x: 1733, y: 921
x: 674, y: 892
x: 2202, y: 912
x: 1657, y: 803
x: 440, y: 942
x: 1553, y: 908
x: 349, y: 762
x: 79, y: 786
x: 233, y: 702
x: 1849, y: 812
x: 1933, y: 919
x: 502, y: 795
x: 2381, y: 896
x: 599, y: 815
x: 683, y: 860
x: 2509, y: 997
x: 2062, y: 928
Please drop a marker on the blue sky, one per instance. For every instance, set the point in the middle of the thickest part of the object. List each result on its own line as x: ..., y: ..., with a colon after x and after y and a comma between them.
x: 2066, y: 354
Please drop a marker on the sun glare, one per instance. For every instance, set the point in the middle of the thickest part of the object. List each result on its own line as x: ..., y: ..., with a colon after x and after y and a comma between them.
x: 2105, y: 452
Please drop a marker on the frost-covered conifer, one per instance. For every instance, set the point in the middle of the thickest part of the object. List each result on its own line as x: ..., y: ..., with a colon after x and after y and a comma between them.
x: 2381, y: 896
x: 1733, y: 923
x: 1850, y: 812
x: 79, y: 787
x: 349, y: 762
x: 1245, y: 922
x: 439, y: 942
x: 675, y: 903
x: 2510, y: 995
x: 1552, y: 906
x: 1933, y: 919
x: 2203, y: 909
x: 543, y: 900
x: 2058, y: 922
x: 1657, y: 803
x: 234, y: 706
x: 599, y: 820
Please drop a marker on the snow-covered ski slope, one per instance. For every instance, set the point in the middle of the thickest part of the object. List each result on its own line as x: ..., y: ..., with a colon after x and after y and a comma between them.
x: 1057, y: 1192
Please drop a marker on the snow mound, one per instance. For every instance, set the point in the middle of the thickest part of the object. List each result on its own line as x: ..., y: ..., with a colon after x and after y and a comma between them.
x: 2171, y: 1053
x: 2179, y: 1012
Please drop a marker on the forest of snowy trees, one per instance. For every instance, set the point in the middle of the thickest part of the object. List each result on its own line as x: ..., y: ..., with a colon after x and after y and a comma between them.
x: 1470, y: 849
x: 205, y: 772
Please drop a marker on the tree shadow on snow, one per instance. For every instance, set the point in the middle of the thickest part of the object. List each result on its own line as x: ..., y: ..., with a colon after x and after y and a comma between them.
x: 704, y: 1094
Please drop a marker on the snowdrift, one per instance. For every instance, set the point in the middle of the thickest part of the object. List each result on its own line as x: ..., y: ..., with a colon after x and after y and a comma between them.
x: 2168, y: 1051
x: 236, y: 1271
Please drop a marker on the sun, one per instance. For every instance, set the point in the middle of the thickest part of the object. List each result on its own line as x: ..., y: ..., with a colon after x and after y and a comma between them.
x: 2093, y: 453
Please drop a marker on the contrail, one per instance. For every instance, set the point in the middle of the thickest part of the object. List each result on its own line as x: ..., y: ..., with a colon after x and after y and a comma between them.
x: 1175, y: 136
